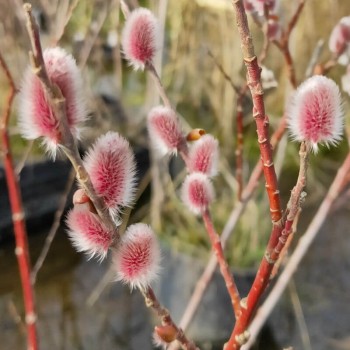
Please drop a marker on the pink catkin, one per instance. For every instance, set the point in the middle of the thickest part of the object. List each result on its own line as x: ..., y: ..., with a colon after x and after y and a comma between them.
x: 203, y: 156
x: 111, y: 166
x: 36, y: 117
x: 197, y: 192
x: 138, y: 257
x: 87, y: 232
x: 315, y: 113
x: 140, y: 37
x: 165, y: 130
x: 258, y: 6
x: 340, y: 37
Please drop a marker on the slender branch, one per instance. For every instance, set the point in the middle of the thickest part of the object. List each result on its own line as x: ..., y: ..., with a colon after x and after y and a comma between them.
x: 266, y: 267
x: 230, y: 225
x: 154, y: 75
x: 261, y: 119
x: 18, y: 217
x: 299, y: 314
x: 53, y: 230
x: 294, y: 20
x: 20, y: 165
x: 239, y: 146
x: 277, y: 238
x: 241, y: 92
x: 224, y: 73
x: 152, y: 302
x: 57, y: 101
x: 299, y: 252
x: 95, y: 27
x: 224, y: 268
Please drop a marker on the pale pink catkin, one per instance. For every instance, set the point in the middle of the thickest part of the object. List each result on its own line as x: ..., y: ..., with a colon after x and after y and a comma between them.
x: 203, y: 156
x: 87, y: 233
x: 315, y: 112
x: 36, y: 116
x: 140, y: 37
x: 197, y: 192
x: 164, y: 130
x: 110, y: 163
x: 340, y: 36
x: 138, y: 257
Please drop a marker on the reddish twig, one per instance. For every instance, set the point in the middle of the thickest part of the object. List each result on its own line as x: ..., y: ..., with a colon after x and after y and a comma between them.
x: 261, y: 119
x: 262, y: 278
x: 18, y: 217
x: 300, y: 250
x: 152, y: 302
x: 239, y: 335
x: 283, y: 43
x: 224, y: 268
x: 294, y: 20
x: 236, y: 213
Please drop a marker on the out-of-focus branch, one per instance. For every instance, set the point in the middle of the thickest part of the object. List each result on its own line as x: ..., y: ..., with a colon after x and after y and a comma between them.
x: 53, y: 230
x: 18, y: 216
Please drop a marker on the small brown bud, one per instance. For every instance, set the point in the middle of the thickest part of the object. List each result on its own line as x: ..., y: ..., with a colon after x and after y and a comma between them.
x: 195, y: 134
x: 80, y: 197
x: 166, y: 333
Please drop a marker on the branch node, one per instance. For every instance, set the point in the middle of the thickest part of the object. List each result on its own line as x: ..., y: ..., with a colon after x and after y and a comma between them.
x: 242, y: 338
x: 268, y: 258
x: 19, y: 251
x: 243, y: 303
x: 30, y: 318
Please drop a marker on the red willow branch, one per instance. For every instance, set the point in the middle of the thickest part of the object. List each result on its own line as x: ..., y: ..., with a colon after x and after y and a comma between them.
x: 283, y: 44
x: 261, y: 119
x: 239, y: 335
x: 224, y: 267
x: 18, y: 218
x: 152, y: 302
x: 301, y: 249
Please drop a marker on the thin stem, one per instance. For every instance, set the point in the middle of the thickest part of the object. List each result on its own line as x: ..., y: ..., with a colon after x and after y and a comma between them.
x: 53, y: 230
x: 241, y: 92
x: 294, y: 20
x: 261, y: 119
x: 152, y: 302
x: 57, y: 101
x: 230, y: 225
x: 18, y: 217
x: 300, y: 251
x: 224, y: 73
x: 266, y: 266
x: 239, y: 147
x: 224, y: 268
x: 154, y: 75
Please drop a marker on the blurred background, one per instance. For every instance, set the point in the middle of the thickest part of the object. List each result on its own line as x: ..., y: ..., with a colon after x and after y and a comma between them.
x: 78, y: 305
